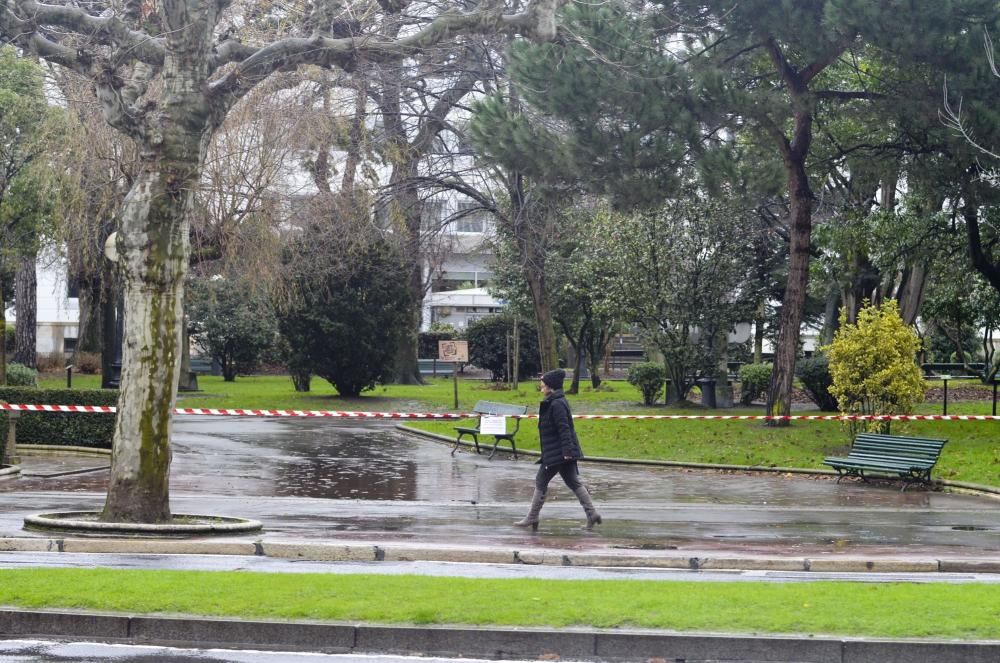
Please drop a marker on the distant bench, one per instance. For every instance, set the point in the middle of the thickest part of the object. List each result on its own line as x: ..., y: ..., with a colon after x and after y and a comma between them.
x: 495, y: 409
x: 201, y: 365
x: 910, y: 458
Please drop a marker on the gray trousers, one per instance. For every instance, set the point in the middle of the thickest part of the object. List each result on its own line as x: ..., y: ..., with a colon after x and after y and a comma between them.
x: 568, y: 471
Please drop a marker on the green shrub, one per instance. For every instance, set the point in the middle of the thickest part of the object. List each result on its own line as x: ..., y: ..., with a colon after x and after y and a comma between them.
x: 231, y: 322
x: 873, y: 365
x: 428, y: 341
x: 488, y: 346
x: 345, y: 326
x: 67, y: 428
x: 754, y: 379
x: 649, y: 377
x: 19, y: 375
x: 814, y: 374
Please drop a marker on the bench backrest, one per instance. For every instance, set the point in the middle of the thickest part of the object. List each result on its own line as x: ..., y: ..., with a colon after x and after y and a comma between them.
x: 498, y: 409
x: 895, y: 445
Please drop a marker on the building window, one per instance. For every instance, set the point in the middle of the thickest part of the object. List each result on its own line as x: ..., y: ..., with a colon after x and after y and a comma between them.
x: 69, y: 345
x: 471, y: 218
x: 431, y: 214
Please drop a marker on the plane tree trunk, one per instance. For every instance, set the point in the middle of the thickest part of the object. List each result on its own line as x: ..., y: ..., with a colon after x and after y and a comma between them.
x: 172, y: 124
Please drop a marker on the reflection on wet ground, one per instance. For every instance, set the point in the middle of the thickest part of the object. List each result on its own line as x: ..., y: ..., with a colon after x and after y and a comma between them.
x: 328, y: 478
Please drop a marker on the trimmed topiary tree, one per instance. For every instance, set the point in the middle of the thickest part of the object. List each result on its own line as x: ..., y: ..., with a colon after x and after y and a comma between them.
x: 873, y: 366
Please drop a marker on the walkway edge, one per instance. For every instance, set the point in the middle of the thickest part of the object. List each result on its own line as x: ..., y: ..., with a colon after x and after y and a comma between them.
x: 989, y: 491
x: 498, y: 643
x: 396, y: 551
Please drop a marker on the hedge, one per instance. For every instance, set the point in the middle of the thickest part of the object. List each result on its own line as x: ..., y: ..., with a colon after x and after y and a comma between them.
x: 66, y: 428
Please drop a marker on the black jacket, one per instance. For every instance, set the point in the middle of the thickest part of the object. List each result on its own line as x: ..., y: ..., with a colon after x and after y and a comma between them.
x: 555, y: 430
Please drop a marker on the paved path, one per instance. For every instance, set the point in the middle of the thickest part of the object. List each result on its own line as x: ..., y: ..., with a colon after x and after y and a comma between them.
x: 322, y: 481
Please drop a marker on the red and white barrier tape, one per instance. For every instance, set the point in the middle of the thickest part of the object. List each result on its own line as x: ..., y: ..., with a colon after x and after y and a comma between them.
x: 469, y: 415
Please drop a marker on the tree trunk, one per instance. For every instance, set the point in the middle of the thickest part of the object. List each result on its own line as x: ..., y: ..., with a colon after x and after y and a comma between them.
x: 547, y: 348
x: 831, y: 316
x: 676, y: 391
x: 26, y: 300
x: 188, y: 378
x: 109, y: 336
x: 408, y: 348
x: 89, y: 332
x: 779, y: 393
x: 758, y: 340
x: 153, y: 243
x: 154, y: 249
x: 3, y: 331
x: 580, y: 358
x: 911, y: 292
x: 597, y: 345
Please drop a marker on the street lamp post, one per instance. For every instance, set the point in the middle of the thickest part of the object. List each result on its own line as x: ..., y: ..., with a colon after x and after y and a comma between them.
x: 114, y: 380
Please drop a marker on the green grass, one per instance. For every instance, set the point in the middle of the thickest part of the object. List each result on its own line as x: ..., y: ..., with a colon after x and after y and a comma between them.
x: 972, y: 453
x: 966, y: 611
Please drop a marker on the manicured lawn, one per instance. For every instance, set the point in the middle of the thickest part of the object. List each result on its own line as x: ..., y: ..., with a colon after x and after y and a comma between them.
x: 972, y: 453
x: 851, y: 609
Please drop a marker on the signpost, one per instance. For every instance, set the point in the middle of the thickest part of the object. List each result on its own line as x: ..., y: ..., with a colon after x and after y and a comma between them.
x: 455, y: 352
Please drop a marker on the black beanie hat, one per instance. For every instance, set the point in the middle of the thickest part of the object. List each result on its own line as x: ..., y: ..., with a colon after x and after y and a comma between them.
x: 554, y: 379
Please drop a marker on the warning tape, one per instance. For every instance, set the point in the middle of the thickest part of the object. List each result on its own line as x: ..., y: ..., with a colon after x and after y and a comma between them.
x: 337, y: 414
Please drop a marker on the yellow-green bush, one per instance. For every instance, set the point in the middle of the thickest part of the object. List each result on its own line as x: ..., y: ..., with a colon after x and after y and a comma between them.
x: 873, y: 364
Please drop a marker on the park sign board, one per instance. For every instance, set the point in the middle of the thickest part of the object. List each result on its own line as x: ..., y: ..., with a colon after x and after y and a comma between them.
x: 457, y: 351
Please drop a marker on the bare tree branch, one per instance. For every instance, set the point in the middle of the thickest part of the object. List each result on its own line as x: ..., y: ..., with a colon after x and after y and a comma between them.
x: 108, y: 31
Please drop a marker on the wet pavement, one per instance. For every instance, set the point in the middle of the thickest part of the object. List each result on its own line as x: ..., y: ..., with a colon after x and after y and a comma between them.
x: 34, y: 651
x: 326, y: 480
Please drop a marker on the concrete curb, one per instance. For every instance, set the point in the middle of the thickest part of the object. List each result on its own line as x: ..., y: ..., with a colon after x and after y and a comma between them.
x: 393, y: 551
x: 86, y: 522
x: 10, y: 472
x: 60, y: 449
x: 961, y: 486
x: 499, y: 643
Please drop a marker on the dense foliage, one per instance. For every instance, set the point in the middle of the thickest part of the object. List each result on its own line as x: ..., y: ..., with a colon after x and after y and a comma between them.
x: 814, y: 374
x: 428, y: 341
x: 753, y: 381
x: 873, y: 366
x: 649, y: 377
x: 491, y: 342
x: 19, y: 375
x: 232, y: 322
x: 681, y: 274
x: 65, y: 428
x: 344, y: 322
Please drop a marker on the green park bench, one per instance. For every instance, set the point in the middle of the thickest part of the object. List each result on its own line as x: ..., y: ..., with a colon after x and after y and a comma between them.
x: 202, y: 365
x: 910, y: 458
x: 495, y: 409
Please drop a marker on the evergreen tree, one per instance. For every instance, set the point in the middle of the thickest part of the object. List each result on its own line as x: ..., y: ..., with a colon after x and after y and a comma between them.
x: 23, y: 203
x: 345, y: 311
